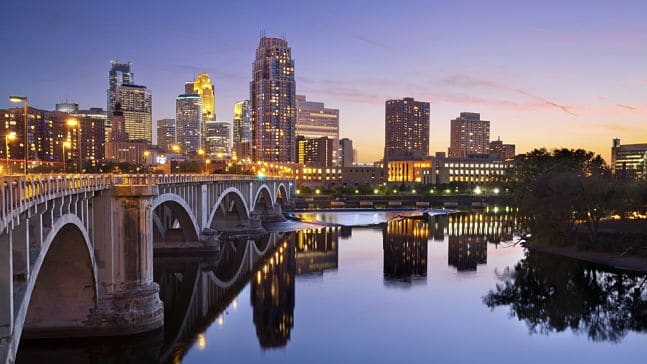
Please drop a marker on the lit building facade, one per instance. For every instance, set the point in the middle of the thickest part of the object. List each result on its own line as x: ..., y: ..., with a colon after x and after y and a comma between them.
x: 469, y: 136
x: 363, y: 174
x: 137, y: 105
x: 218, y: 137
x: 188, y: 122
x: 630, y: 160
x: 346, y: 155
x: 166, y: 133
x: 242, y: 133
x: 119, y: 147
x: 406, y: 132
x: 204, y: 87
x: 467, y: 170
x: 315, y: 152
x: 315, y: 121
x: 273, y: 102
x: 407, y: 170
x: 118, y: 75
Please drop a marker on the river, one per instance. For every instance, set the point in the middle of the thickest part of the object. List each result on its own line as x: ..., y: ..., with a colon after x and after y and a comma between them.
x: 381, y: 287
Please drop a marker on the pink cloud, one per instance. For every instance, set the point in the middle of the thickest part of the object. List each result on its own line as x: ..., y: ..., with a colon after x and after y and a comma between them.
x: 626, y: 107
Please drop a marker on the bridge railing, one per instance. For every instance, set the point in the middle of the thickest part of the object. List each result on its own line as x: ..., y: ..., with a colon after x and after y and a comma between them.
x: 162, y: 179
x: 17, y: 193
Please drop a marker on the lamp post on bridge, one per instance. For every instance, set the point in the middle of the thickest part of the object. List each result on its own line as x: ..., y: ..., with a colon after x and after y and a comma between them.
x: 23, y: 99
x: 7, y: 138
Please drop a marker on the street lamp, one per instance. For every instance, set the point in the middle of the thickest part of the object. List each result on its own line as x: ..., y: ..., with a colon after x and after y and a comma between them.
x: 23, y: 99
x: 67, y: 145
x: 175, y: 148
x: 74, y: 123
x: 146, y: 154
x: 201, y: 154
x: 7, y: 138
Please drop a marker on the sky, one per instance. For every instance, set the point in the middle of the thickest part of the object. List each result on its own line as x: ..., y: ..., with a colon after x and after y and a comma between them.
x: 545, y: 73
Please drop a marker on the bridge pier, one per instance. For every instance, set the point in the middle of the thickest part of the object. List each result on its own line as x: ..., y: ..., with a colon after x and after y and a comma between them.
x: 6, y: 287
x: 128, y: 297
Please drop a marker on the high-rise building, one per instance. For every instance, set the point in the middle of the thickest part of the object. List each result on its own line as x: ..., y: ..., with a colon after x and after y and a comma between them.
x: 166, y: 133
x: 118, y: 75
x: 470, y: 136
x: 120, y: 147
x: 137, y: 107
x: 242, y: 133
x: 501, y: 151
x: 315, y: 152
x: 188, y: 122
x: 204, y: 87
x: 218, y: 136
x: 346, y: 154
x: 242, y: 122
x: 314, y: 121
x: 629, y: 160
x: 406, y: 134
x: 273, y: 102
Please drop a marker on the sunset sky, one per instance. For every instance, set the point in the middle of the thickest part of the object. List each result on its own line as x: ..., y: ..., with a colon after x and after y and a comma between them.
x: 545, y: 73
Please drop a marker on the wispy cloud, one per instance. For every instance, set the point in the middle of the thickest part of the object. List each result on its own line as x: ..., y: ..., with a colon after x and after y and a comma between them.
x: 358, y: 37
x: 626, y: 107
x: 468, y: 81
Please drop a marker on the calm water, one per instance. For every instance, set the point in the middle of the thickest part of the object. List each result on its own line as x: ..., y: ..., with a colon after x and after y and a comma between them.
x: 445, y: 289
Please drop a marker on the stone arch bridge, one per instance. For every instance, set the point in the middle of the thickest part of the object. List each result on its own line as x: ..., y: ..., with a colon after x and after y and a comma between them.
x: 76, y: 252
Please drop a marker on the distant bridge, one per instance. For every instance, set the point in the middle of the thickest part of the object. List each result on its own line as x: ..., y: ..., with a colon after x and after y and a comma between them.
x: 76, y: 252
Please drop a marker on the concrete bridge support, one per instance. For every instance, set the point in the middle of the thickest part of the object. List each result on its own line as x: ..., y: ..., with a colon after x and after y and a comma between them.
x: 128, y: 297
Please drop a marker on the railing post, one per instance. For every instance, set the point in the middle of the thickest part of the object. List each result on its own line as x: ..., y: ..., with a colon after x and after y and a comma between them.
x: 6, y: 285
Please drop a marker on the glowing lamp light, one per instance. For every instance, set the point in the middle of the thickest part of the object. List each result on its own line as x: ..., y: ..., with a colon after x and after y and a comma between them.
x: 11, y: 135
x: 67, y: 145
x: 375, y: 191
x: 356, y: 191
x: 72, y: 122
x: 317, y: 191
x: 478, y: 190
x: 298, y: 192
x: 496, y: 191
x: 260, y: 175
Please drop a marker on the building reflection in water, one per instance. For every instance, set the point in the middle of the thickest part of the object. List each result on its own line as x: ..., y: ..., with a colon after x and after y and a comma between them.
x: 405, y: 250
x: 468, y: 235
x: 316, y: 250
x: 272, y: 296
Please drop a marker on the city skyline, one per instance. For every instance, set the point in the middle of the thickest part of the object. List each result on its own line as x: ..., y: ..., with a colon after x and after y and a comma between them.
x: 529, y: 71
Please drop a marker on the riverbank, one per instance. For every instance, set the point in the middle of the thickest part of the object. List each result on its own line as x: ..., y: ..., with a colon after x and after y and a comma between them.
x: 623, y: 262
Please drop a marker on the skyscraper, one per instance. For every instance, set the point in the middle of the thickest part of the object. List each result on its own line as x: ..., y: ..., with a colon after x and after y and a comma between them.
x: 166, y: 133
x: 137, y: 106
x: 242, y: 133
x: 118, y: 75
x: 273, y: 102
x: 204, y: 87
x: 470, y: 136
x: 314, y: 121
x: 242, y: 122
x: 218, y: 136
x: 188, y: 122
x: 406, y: 134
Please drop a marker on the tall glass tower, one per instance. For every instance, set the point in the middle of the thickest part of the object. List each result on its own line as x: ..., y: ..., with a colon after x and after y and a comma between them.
x: 118, y: 75
x: 273, y: 99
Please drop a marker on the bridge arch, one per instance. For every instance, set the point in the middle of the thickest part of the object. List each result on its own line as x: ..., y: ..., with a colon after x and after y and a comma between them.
x: 263, y: 199
x: 62, y: 291
x: 173, y: 219
x: 230, y: 209
x: 281, y: 195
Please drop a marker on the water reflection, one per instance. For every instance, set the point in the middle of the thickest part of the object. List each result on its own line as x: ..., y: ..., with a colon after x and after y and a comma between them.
x: 553, y: 294
x: 316, y: 250
x: 272, y: 297
x: 405, y: 250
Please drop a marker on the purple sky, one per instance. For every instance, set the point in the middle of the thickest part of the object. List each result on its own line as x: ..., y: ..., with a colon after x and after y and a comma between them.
x: 545, y: 73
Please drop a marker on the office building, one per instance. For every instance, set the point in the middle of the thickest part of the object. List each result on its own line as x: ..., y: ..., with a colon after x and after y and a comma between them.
x: 242, y: 133
x: 315, y: 152
x: 166, y: 133
x: 118, y: 75
x: 475, y: 170
x: 629, y: 160
x: 136, y: 105
x: 273, y: 102
x: 470, y: 136
x: 406, y: 134
x: 346, y: 153
x: 188, y: 122
x: 120, y: 147
x: 315, y: 121
x: 218, y: 136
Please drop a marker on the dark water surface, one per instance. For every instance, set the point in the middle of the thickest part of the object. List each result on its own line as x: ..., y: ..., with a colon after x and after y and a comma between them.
x: 447, y: 289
